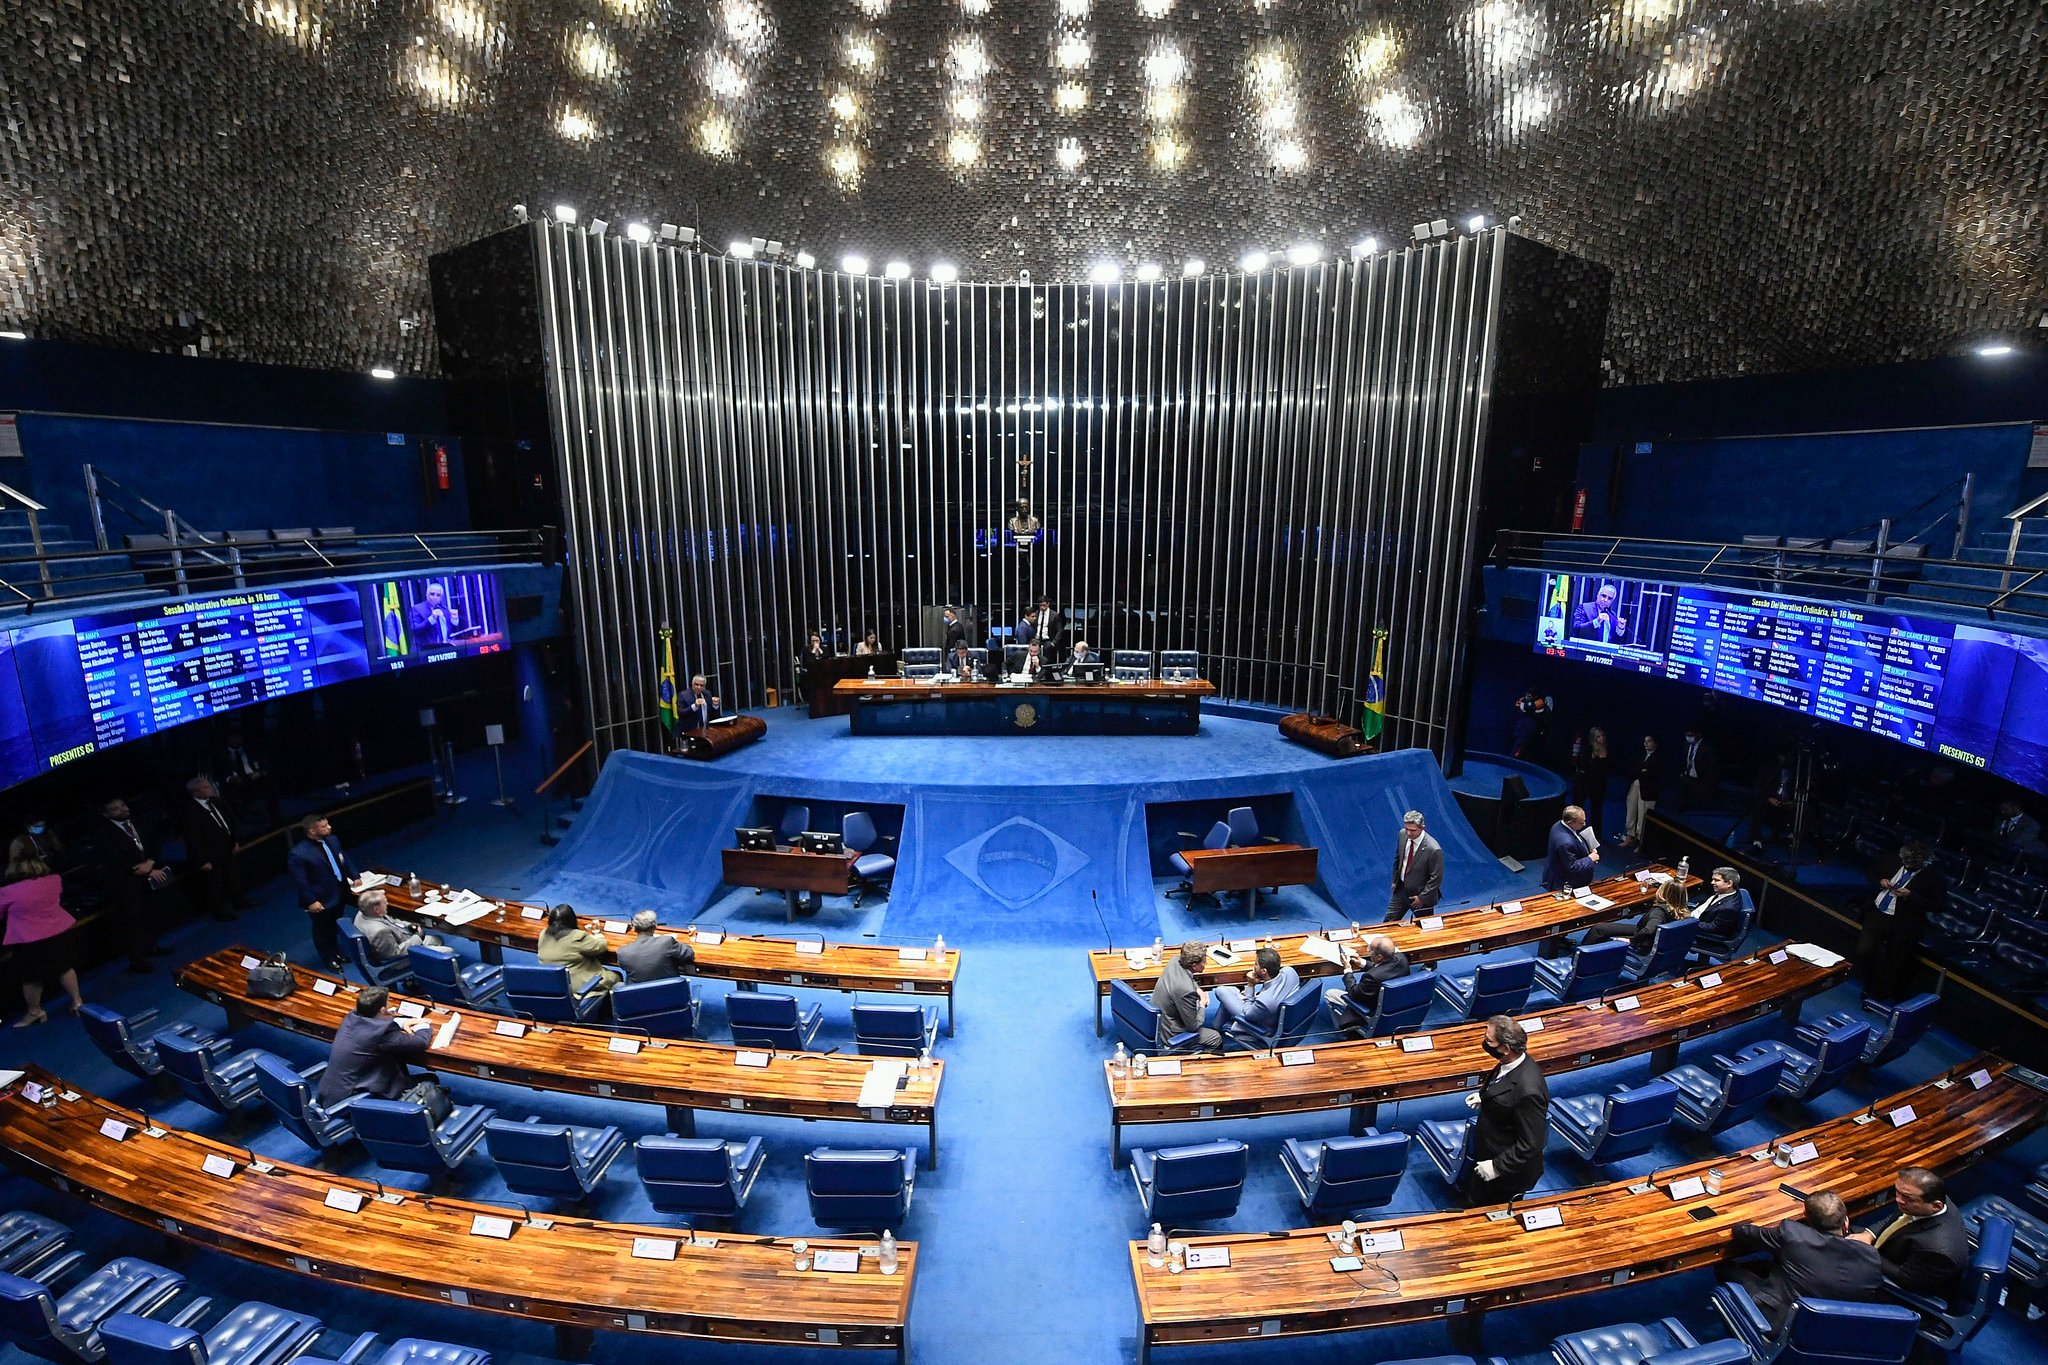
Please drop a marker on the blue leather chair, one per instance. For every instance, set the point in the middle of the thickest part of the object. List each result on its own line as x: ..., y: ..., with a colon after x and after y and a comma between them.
x: 293, y: 1096
x: 1137, y: 1023
x: 1904, y: 1025
x: 871, y: 871
x: 865, y: 1188
x: 1708, y: 947
x: 446, y: 978
x: 226, y: 1085
x: 1244, y: 828
x: 795, y: 821
x: 1493, y: 988
x: 767, y: 1019
x: 1606, y: 1128
x: 1296, y: 1017
x: 398, y: 1135
x: 701, y: 1177
x: 1443, y: 1142
x: 1668, y: 950
x: 543, y: 993
x: 1217, y: 837
x: 396, y: 973
x: 35, y: 1247
x: 667, y: 1009
x: 894, y: 1030
x: 413, y: 1351
x: 67, y: 1329
x: 1948, y: 1329
x: 2028, y: 1263
x: 251, y: 1334
x: 1589, y: 972
x: 114, y: 1035
x: 1623, y: 1343
x: 1337, y: 1176
x: 1709, y: 1101
x: 2037, y: 1188
x: 1194, y: 1184
x: 552, y: 1160
x: 1402, y: 1005
x: 1448, y: 1360
x: 1808, y: 1076
x: 1819, y: 1331
x: 921, y: 661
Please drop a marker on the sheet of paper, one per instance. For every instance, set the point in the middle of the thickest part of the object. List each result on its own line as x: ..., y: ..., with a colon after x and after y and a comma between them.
x: 1593, y: 902
x: 8, y: 1078
x: 878, y: 1087
x: 469, y: 913
x: 348, y: 1201
x: 1814, y: 953
x: 446, y: 1034
x: 1322, y: 950
x: 370, y: 881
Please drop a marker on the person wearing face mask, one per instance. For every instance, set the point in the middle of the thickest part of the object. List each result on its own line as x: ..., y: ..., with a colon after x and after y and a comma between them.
x: 1506, y: 1141
x: 37, y: 841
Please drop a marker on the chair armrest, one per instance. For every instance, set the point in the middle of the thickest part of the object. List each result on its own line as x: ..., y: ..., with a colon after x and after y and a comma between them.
x: 357, y: 1349
x: 190, y: 1312
x: 594, y: 983
x: 1188, y: 835
x: 1922, y: 1304
x: 142, y: 1020
x: 314, y: 1072
x: 1744, y: 1316
x: 1729, y: 1352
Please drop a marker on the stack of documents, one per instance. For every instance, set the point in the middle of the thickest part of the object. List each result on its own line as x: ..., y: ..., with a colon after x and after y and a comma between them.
x: 878, y: 1091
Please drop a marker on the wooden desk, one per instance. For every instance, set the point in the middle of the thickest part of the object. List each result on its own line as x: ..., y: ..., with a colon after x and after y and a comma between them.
x: 789, y: 871
x: 746, y: 958
x: 1211, y: 870
x: 820, y: 676
x: 578, y: 1060
x: 1459, y: 1265
x: 721, y: 737
x: 1479, y: 930
x: 576, y: 1273
x: 929, y: 707
x: 1358, y: 1075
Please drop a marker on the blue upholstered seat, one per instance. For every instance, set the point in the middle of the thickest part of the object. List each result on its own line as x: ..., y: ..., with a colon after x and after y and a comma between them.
x: 871, y: 871
x: 667, y: 1008
x: 250, y: 1334
x: 1588, y: 972
x: 1809, y: 1076
x: 1402, y: 1005
x: 1296, y: 1017
x: 1137, y: 1023
x: 769, y: 1019
x: 114, y: 1035
x: 224, y: 1084
x: 398, y: 1135
x: 1621, y: 1343
x: 30, y: 1245
x: 1819, y: 1331
x: 411, y: 1351
x: 397, y: 972
x: 67, y: 1329
x: 702, y: 1177
x: 1615, y: 1127
x: 1336, y: 1176
x: 444, y: 976
x: 1217, y: 837
x: 1443, y: 1142
x: 1491, y: 988
x: 796, y: 820
x: 543, y: 993
x: 1668, y: 950
x: 1902, y: 1026
x: 2028, y: 1259
x: 1732, y: 1091
x: 867, y: 1189
x: 552, y: 1160
x: 1947, y: 1328
x: 894, y: 1030
x: 293, y: 1096
x: 1194, y: 1184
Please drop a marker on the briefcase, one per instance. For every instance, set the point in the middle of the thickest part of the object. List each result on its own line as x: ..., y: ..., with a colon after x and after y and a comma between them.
x: 271, y: 980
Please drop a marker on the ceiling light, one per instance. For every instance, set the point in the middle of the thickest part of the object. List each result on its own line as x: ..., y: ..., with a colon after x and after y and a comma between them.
x: 1168, y: 151
x: 1164, y: 65
x: 874, y: 9
x: 1105, y: 272
x: 967, y: 107
x: 1155, y: 9
x: 844, y: 107
x: 854, y: 264
x: 1192, y: 267
x: 1305, y: 253
x: 1395, y: 120
x: 860, y: 52
x: 1072, y: 53
x: 944, y: 273
x: 1163, y: 103
x: 1290, y: 155
x: 597, y: 227
x: 896, y: 270
x: 564, y: 214
x: 592, y: 55
x: 1364, y: 247
x: 1147, y: 272
x: 1254, y: 262
x: 1996, y: 348
x: 1074, y: 9
x: 716, y: 137
x: 805, y: 260
x: 437, y: 78
x: 743, y: 250
x: 974, y: 6
x: 685, y: 235
x: 968, y: 58
x: 383, y: 372
x: 1476, y: 223
x: 746, y: 23
x: 725, y: 77
x: 1374, y: 54
x: 576, y: 125
x: 963, y: 149
x: 843, y: 161
x: 1070, y: 98
x: 639, y: 232
x: 1069, y: 153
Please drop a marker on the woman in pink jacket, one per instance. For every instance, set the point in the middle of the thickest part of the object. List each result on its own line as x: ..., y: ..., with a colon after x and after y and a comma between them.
x: 37, y: 929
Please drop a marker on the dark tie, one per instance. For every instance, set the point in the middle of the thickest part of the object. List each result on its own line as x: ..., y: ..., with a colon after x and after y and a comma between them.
x: 129, y: 830
x: 208, y: 807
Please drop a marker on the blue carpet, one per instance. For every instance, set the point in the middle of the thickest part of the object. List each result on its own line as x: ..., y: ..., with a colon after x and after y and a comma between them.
x: 1024, y: 1221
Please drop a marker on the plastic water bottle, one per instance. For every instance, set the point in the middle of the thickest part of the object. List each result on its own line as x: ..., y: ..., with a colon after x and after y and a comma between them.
x: 412, y: 885
x: 1158, y: 948
x: 1684, y: 870
x: 1120, y: 1063
x: 888, y: 1266
x: 924, y: 1061
x: 871, y: 672
x: 1155, y: 1247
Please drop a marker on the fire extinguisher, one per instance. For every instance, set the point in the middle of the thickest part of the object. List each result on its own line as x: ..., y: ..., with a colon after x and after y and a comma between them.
x: 1579, y: 510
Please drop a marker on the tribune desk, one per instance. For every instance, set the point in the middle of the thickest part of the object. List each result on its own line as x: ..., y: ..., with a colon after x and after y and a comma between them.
x: 898, y: 706
x: 788, y: 870
x: 754, y: 961
x: 1214, y: 870
x: 1359, y: 1075
x: 1460, y: 1265
x: 680, y: 1075
x: 1430, y: 939
x: 576, y: 1273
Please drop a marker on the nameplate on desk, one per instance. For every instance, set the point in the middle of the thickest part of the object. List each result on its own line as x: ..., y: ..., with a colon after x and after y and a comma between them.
x: 1581, y: 892
x: 754, y: 1059
x: 615, y: 926
x: 32, y: 1092
x: 250, y: 964
x: 1508, y: 908
x: 1902, y: 1116
x: 1778, y: 958
x: 114, y: 1129
x: 1430, y: 923
x: 1535, y: 1220
x: 654, y: 1249
x: 484, y: 1225
x: 1533, y: 1024
x: 809, y: 947
x: 411, y: 1009
x: 710, y: 938
x: 1243, y: 945
x: 1373, y: 1243
x: 509, y: 1028
x: 532, y: 912
x: 1339, y: 935
x: 838, y: 1261
x: 628, y: 1046
x: 920, y: 954
x: 218, y: 1165
x: 1163, y: 1066
x: 1300, y: 1056
x: 1979, y: 1079
x: 1422, y: 1044
x: 1627, y: 1003
x: 1803, y: 1153
x: 1711, y: 979
x: 322, y: 986
x: 348, y: 1201
x: 1692, y: 1187
x: 1593, y: 902
x: 1208, y: 1258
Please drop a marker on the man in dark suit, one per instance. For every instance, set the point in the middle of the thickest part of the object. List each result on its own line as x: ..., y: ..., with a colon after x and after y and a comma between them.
x: 1923, y: 1242
x: 1082, y: 654
x: 1045, y: 628
x: 1720, y: 910
x: 1811, y: 1257
x: 369, y: 1051
x: 1699, y: 770
x: 131, y: 875
x: 1506, y: 1142
x: 1572, y: 861
x: 245, y: 778
x: 322, y: 873
x: 210, y: 848
x: 652, y: 956
x: 699, y: 707
x: 1645, y: 784
x: 1895, y: 920
x: 1418, y: 870
x: 955, y: 634
x: 1383, y: 962
x: 1598, y: 619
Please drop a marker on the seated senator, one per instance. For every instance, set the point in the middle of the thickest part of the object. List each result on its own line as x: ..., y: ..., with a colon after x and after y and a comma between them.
x: 564, y: 943
x: 1180, y: 1000
x: 1812, y: 1257
x: 1383, y: 962
x: 1720, y: 910
x: 651, y: 956
x: 369, y: 1050
x: 1246, y: 1014
x: 1641, y: 931
x: 386, y: 937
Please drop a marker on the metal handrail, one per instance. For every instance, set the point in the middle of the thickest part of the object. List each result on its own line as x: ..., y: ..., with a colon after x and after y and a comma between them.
x: 35, y: 512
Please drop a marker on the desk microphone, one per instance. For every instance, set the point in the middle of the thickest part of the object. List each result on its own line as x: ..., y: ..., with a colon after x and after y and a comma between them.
x: 1095, y: 904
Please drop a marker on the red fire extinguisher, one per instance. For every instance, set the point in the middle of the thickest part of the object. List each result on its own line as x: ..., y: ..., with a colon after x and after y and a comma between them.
x: 1579, y: 511
x: 441, y: 466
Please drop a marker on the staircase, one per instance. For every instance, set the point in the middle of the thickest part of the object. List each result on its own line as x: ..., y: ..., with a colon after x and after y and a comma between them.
x: 110, y: 572
x: 1988, y: 546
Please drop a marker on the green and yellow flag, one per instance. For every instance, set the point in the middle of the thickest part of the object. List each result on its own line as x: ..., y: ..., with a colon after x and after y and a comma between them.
x: 1374, y: 717
x: 665, y: 690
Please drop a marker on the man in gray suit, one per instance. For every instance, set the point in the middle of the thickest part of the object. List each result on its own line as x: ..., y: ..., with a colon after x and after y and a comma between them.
x: 387, y: 938
x: 1354, y: 1004
x: 649, y: 956
x: 1246, y: 1014
x: 1418, y: 870
x: 1179, y: 999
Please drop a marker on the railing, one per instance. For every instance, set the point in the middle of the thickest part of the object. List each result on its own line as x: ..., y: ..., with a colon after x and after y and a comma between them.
x: 10, y: 497
x: 1878, y: 572
x: 2019, y: 517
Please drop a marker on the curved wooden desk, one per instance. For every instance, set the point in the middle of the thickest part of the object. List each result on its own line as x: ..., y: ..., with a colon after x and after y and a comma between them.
x: 1358, y: 1075
x: 1459, y: 1265
x: 578, y: 1060
x: 761, y: 961
x: 575, y: 1273
x: 1479, y: 930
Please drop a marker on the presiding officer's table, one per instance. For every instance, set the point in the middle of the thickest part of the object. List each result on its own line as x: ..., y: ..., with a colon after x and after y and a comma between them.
x: 496, y: 926
x: 680, y: 1075
x: 789, y: 871
x: 1211, y: 870
x: 577, y: 1274
x: 896, y: 706
x: 1459, y: 1265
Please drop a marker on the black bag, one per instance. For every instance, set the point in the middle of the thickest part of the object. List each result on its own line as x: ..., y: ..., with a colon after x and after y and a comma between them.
x: 272, y: 980
x: 431, y: 1096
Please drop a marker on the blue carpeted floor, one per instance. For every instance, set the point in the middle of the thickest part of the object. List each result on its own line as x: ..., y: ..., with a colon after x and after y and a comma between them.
x: 1023, y: 1223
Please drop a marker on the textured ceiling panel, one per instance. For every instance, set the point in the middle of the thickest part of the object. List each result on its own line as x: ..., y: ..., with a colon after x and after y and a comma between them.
x: 1778, y: 184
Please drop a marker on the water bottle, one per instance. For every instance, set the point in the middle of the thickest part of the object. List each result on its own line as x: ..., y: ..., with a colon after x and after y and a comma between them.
x: 1158, y: 948
x: 924, y: 1061
x: 412, y: 885
x: 1684, y: 873
x: 1120, y: 1064
x: 939, y: 946
x: 1155, y: 1247
x: 888, y: 1266
x: 871, y: 672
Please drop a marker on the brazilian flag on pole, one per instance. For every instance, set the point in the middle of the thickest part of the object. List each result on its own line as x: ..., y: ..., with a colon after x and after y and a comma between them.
x: 1374, y: 717
x: 665, y: 690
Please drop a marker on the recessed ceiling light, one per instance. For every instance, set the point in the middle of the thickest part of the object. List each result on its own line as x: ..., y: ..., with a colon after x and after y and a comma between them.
x: 1254, y: 261
x: 1069, y: 153
x: 1105, y: 272
x: 1192, y: 267
x: 639, y: 232
x: 11, y: 335
x: 854, y: 264
x: 1147, y: 272
x: 383, y: 372
x: 1996, y: 348
x: 944, y: 273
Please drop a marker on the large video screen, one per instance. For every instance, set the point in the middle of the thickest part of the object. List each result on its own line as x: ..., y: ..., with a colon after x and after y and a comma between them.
x: 1976, y: 695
